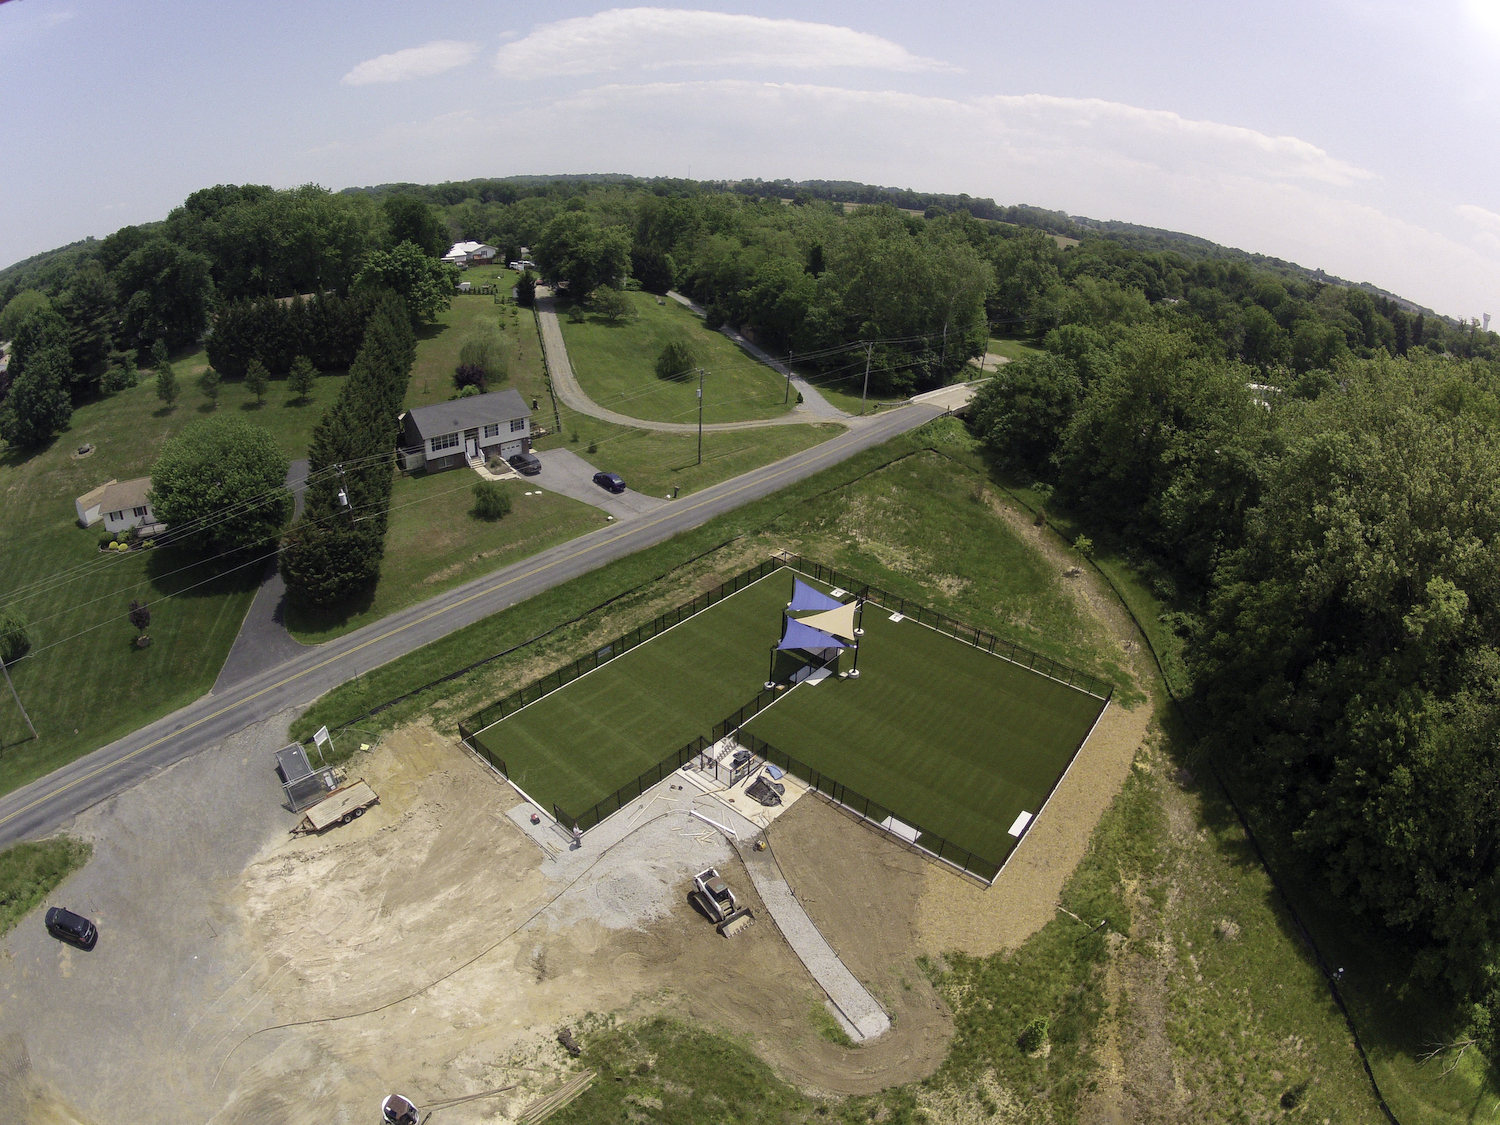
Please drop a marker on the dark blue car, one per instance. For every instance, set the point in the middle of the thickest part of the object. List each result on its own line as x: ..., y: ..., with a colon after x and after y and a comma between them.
x: 614, y: 482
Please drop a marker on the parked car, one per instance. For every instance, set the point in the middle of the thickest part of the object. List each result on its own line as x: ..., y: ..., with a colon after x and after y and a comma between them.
x: 528, y: 463
x: 613, y: 482
x: 71, y: 928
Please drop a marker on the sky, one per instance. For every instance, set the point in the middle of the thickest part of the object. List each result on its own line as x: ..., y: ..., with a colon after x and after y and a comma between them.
x: 1354, y: 136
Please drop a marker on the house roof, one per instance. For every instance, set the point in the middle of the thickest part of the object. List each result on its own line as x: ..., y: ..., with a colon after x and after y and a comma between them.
x: 116, y: 496
x: 468, y: 413
x: 464, y: 249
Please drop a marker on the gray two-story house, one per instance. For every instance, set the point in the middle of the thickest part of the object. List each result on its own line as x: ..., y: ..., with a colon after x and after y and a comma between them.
x: 448, y: 435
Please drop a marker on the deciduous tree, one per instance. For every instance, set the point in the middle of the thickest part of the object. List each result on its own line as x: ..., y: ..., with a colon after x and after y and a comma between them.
x: 221, y: 483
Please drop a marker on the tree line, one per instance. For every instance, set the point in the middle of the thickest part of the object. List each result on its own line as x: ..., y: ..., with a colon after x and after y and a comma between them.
x: 1326, y: 530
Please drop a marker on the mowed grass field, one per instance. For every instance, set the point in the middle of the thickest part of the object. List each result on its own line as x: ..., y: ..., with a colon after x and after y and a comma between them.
x: 616, y: 367
x: 85, y: 683
x: 581, y: 743
x: 942, y: 734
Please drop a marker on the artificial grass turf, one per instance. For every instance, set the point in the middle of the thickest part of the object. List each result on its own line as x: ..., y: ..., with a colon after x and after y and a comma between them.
x: 948, y: 737
x: 944, y: 735
x: 579, y: 744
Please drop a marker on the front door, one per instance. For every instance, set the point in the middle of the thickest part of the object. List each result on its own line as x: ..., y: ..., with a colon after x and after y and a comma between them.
x: 471, y: 443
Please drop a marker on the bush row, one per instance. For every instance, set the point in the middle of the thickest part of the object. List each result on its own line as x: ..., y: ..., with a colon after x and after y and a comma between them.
x: 328, y: 329
x: 334, y: 550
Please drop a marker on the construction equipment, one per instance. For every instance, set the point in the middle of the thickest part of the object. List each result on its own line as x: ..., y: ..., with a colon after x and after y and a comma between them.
x: 718, y: 902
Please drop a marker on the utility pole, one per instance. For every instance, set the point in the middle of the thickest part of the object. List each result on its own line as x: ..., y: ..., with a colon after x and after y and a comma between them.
x: 788, y: 396
x: 19, y: 704
x: 700, y: 415
x: 344, y: 493
x: 869, y: 350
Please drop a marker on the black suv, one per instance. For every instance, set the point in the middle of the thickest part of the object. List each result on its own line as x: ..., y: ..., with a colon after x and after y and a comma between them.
x: 71, y: 928
x: 528, y: 463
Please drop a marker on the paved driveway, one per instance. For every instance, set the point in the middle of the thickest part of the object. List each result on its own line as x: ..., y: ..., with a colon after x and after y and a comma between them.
x: 566, y: 472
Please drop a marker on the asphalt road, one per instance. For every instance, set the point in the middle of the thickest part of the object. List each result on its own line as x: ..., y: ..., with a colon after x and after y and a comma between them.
x: 51, y: 801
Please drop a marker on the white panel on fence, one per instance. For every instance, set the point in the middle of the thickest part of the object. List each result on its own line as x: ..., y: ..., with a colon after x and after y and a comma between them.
x: 905, y: 831
x: 1020, y: 825
x: 898, y: 617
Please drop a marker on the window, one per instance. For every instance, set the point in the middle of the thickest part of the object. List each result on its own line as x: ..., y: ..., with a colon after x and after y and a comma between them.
x: 492, y: 430
x: 116, y: 515
x: 140, y: 513
x: 517, y: 425
x: 447, y: 441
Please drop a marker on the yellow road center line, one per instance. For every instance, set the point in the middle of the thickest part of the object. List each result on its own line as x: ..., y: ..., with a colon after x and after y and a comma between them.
x: 628, y: 531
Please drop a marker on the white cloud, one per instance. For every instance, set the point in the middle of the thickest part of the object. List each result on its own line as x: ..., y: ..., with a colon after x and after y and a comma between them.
x: 414, y: 62
x: 1280, y: 196
x: 1485, y: 14
x: 653, y: 38
x: 1484, y: 225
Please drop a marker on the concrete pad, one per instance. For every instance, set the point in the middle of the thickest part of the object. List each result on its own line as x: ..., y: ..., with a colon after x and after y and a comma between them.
x: 565, y: 472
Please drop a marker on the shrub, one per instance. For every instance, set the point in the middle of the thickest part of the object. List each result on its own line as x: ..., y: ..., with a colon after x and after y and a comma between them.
x: 1034, y: 1036
x: 140, y: 615
x: 484, y: 351
x: 469, y: 392
x: 468, y: 375
x: 106, y: 540
x: 491, y: 500
x: 678, y: 357
x: 15, y: 637
x: 300, y: 379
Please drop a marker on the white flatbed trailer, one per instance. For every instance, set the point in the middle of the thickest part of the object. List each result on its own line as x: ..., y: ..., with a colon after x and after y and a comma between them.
x: 339, y: 807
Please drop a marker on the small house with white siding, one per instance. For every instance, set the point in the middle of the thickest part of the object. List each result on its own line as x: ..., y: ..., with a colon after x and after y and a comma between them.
x: 466, y: 254
x: 121, y: 505
x: 448, y: 435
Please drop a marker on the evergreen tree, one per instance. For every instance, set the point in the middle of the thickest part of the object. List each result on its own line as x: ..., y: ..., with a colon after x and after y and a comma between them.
x: 166, y: 383
x: 257, y: 381
x: 210, y: 384
x: 299, y: 381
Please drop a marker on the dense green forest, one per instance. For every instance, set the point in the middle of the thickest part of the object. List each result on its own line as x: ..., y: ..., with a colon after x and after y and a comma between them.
x: 1307, y: 471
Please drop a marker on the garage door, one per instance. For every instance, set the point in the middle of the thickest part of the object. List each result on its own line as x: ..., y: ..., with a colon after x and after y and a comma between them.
x: 511, y: 448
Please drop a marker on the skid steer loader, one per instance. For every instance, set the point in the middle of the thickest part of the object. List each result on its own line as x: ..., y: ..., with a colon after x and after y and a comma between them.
x: 718, y: 902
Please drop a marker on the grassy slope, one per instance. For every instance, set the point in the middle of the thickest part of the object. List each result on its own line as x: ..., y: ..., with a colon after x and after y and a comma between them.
x: 1011, y: 349
x: 30, y: 872
x: 615, y: 366
x: 95, y: 685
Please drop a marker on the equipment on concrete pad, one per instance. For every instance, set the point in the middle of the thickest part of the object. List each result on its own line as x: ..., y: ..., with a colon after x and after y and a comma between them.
x: 766, y: 792
x: 717, y: 900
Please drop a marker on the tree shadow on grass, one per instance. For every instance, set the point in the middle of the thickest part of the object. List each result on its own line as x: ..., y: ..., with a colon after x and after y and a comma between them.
x: 208, y: 408
x: 182, y: 571
x: 252, y: 406
x: 14, y: 458
x: 163, y: 411
x: 303, y: 619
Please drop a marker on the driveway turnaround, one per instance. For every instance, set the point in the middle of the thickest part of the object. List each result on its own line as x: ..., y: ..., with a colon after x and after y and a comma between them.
x: 566, y: 472
x: 50, y: 801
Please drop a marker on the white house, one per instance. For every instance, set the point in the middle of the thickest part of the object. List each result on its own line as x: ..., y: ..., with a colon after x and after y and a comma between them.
x: 448, y: 435
x: 121, y: 506
x: 465, y: 254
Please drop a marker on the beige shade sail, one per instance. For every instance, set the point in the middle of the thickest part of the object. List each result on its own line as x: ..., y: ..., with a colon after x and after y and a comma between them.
x: 839, y: 622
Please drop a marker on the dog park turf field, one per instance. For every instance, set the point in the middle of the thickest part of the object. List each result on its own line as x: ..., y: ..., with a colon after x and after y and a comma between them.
x: 945, y: 736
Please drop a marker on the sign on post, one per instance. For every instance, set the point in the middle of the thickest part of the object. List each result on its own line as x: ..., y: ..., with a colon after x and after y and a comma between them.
x: 320, y: 739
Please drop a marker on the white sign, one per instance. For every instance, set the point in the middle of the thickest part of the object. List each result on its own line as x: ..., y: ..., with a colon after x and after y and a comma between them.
x: 322, y: 737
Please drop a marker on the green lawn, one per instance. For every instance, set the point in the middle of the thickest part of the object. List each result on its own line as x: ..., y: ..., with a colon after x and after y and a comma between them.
x: 434, y: 543
x: 581, y: 743
x: 654, y: 463
x: 29, y: 872
x: 86, y: 683
x: 940, y: 733
x: 438, y: 345
x: 615, y: 365
x: 1011, y: 349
